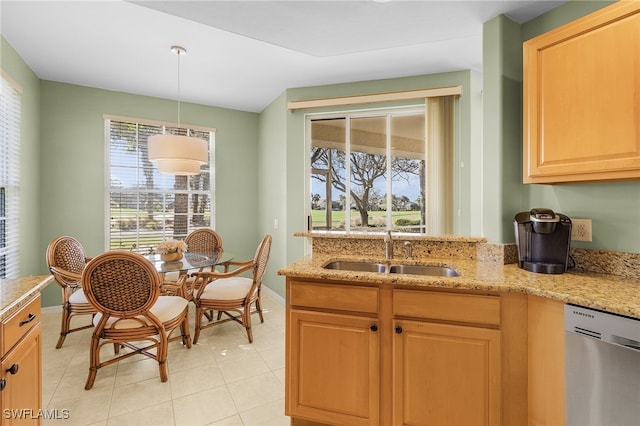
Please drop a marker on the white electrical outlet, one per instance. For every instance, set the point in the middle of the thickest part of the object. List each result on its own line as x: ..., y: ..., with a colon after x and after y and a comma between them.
x: 581, y: 229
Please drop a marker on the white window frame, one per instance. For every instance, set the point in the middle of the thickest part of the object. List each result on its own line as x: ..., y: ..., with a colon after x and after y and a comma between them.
x: 10, y: 142
x: 348, y: 115
x: 165, y: 193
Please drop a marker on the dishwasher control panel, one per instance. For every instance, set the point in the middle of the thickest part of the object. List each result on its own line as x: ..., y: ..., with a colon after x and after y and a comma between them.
x: 604, y: 326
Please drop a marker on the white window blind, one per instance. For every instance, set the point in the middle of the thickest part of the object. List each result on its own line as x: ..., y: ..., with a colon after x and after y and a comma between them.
x: 145, y: 206
x: 10, y: 100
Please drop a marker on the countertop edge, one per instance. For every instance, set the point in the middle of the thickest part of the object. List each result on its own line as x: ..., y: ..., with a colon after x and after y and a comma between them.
x: 611, y: 293
x: 16, y: 293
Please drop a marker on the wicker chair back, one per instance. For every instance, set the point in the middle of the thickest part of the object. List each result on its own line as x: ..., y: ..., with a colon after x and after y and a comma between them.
x: 203, y: 240
x: 68, y: 254
x: 260, y: 261
x: 122, y: 284
x: 66, y: 260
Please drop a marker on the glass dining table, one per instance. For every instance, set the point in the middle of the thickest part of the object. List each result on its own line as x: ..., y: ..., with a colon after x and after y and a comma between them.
x: 190, y: 262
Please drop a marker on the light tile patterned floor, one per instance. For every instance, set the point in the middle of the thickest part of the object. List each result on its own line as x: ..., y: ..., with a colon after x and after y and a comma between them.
x: 223, y: 380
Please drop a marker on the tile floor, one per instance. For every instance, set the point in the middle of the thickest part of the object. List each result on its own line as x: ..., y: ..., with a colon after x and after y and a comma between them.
x: 223, y: 380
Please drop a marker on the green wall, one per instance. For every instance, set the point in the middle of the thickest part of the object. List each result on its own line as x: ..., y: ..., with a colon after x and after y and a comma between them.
x: 31, y: 255
x: 272, y: 189
x: 72, y: 151
x: 501, y: 151
x: 613, y: 207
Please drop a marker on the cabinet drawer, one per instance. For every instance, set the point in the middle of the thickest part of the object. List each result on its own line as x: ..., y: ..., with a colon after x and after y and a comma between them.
x: 20, y: 323
x: 334, y: 297
x: 469, y: 308
x: 23, y: 387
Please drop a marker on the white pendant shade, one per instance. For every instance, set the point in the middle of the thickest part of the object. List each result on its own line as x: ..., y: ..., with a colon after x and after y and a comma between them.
x: 179, y: 167
x: 178, y: 155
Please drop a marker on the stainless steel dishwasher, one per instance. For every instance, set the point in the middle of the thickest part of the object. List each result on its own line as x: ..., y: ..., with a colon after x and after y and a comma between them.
x: 602, y: 360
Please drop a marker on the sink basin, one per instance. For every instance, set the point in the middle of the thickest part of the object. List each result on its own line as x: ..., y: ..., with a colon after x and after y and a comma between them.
x: 436, y: 271
x: 431, y: 270
x: 356, y: 266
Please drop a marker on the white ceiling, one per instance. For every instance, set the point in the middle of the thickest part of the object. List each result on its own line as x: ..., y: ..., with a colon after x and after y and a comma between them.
x: 243, y: 54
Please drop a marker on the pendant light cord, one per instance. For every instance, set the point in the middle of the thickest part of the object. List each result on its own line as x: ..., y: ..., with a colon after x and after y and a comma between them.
x: 179, y: 51
x: 179, y: 54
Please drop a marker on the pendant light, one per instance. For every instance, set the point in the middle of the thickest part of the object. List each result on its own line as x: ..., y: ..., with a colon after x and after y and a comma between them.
x: 178, y: 154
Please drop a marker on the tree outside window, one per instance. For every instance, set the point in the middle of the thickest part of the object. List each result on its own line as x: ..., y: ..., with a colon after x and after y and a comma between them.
x: 368, y: 172
x: 145, y: 206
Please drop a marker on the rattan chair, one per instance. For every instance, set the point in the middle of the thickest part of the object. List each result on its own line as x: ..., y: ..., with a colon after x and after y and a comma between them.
x: 124, y: 288
x: 66, y: 260
x: 229, y: 293
x: 202, y: 240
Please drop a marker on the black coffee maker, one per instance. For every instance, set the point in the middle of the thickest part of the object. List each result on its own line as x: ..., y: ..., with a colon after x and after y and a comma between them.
x: 543, y: 239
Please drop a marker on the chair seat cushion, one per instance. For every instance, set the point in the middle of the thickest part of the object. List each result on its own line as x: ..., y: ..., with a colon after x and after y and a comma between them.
x: 233, y: 288
x: 166, y: 309
x: 78, y: 297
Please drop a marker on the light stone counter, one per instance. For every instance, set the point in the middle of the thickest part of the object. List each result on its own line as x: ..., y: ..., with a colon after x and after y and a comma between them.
x: 612, y: 293
x: 15, y: 293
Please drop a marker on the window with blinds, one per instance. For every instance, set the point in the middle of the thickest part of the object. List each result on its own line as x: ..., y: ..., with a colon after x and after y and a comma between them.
x: 10, y: 101
x: 146, y: 207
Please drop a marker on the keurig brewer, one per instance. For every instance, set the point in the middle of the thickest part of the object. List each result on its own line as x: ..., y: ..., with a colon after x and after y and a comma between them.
x: 543, y: 238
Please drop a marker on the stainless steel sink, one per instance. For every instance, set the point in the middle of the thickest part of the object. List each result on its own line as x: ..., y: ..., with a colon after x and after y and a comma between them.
x: 343, y: 265
x: 431, y: 270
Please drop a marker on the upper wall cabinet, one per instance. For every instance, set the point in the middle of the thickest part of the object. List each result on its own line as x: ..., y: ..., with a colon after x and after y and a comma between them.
x: 582, y: 99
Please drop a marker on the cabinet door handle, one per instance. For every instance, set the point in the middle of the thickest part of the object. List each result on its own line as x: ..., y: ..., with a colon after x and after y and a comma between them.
x: 13, y: 369
x: 398, y: 329
x: 28, y: 320
x: 373, y: 327
x: 3, y: 383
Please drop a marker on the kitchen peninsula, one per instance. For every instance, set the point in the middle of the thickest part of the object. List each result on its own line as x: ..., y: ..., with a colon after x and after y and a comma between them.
x: 377, y: 348
x: 21, y: 350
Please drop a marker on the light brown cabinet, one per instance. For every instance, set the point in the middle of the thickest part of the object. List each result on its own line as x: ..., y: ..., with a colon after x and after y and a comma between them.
x: 335, y: 373
x: 546, y: 385
x: 375, y: 354
x: 446, y: 373
x: 333, y: 347
x: 581, y: 104
x: 21, y: 366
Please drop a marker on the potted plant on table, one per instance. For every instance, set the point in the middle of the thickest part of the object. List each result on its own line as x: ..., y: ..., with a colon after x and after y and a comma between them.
x: 171, y: 250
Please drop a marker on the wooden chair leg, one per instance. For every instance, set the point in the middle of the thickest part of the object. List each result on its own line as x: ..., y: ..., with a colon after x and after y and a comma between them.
x: 164, y: 375
x: 259, y: 309
x: 184, y: 330
x: 94, y: 362
x: 64, y: 326
x: 209, y: 315
x: 161, y: 354
x: 196, y: 331
x: 246, y: 321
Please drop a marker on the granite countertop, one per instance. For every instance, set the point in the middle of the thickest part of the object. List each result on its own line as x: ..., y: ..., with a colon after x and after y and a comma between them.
x: 612, y: 293
x: 17, y: 292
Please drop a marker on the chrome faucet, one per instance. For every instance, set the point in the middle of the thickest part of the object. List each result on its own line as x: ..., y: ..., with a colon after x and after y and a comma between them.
x: 388, y: 246
x: 408, y: 249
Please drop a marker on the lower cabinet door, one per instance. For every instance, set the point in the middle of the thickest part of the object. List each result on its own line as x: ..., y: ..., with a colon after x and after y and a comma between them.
x: 22, y: 375
x: 334, y: 368
x: 446, y: 374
